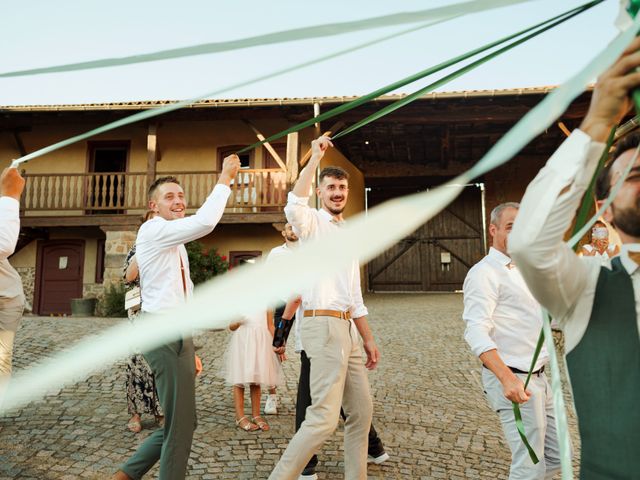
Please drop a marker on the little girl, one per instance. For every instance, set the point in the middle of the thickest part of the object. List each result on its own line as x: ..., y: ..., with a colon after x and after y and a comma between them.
x: 250, y: 359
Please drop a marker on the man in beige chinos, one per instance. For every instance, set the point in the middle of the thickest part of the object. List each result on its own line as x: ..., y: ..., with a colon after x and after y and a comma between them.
x: 338, y: 376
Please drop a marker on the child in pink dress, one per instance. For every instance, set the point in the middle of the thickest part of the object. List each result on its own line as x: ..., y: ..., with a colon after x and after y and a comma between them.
x: 250, y: 359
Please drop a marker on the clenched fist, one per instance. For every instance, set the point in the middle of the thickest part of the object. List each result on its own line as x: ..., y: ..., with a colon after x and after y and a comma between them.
x: 230, y: 168
x: 11, y: 183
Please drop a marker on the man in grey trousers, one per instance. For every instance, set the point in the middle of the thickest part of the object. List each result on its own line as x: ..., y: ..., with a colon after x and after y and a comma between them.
x: 164, y: 277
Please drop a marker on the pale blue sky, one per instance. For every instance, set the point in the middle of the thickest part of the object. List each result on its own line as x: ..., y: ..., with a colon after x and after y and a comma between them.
x: 43, y: 33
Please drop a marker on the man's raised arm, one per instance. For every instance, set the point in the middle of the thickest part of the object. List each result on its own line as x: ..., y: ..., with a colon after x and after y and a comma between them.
x: 297, y: 209
x: 184, y: 230
x: 554, y: 274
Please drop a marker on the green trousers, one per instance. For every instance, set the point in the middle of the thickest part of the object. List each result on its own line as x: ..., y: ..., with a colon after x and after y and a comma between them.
x: 173, y: 365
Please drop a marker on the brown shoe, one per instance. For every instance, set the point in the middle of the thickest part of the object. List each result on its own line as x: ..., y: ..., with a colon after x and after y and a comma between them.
x: 120, y: 475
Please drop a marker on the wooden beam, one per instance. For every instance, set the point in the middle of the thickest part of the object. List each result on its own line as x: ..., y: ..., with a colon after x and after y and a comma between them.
x: 293, y: 145
x: 267, y: 145
x: 19, y: 143
x: 152, y: 152
x: 564, y: 128
x: 336, y: 127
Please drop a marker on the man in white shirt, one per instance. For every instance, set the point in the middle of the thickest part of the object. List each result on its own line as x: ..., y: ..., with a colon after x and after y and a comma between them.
x: 11, y: 293
x: 597, y: 306
x: 338, y: 376
x: 503, y: 325
x: 290, y: 239
x: 165, y: 283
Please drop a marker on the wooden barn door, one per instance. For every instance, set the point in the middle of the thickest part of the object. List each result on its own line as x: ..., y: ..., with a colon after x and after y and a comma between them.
x: 438, y: 255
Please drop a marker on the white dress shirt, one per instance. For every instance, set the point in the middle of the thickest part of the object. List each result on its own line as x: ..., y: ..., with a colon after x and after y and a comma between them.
x: 278, y: 252
x: 563, y: 282
x: 501, y: 313
x: 341, y: 291
x: 11, y: 292
x: 160, y: 250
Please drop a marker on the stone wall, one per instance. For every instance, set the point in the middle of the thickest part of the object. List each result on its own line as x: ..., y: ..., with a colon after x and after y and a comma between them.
x: 117, y: 245
x: 28, y: 275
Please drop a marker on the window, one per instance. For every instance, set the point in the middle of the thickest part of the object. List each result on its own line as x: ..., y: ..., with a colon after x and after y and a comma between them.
x: 246, y: 159
x: 107, y: 161
x: 241, y: 257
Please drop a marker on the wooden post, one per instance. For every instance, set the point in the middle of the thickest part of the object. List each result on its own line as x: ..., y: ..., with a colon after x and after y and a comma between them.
x: 293, y: 144
x: 152, y: 154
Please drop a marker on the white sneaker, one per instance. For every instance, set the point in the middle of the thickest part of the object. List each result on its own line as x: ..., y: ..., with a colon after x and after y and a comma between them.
x: 271, y: 405
x: 379, y: 459
x: 313, y: 476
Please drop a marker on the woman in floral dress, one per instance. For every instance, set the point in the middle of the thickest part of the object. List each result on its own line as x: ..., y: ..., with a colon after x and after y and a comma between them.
x: 142, y: 396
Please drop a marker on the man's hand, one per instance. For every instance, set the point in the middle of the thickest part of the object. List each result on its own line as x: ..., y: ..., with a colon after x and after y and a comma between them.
x: 513, y: 389
x: 198, y: 366
x: 230, y: 168
x: 11, y: 183
x: 373, y: 354
x: 234, y: 326
x: 611, y: 97
x: 319, y: 146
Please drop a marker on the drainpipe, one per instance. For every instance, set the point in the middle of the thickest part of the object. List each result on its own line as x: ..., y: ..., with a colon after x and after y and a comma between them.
x: 366, y: 201
x: 484, y: 215
x: 316, y: 112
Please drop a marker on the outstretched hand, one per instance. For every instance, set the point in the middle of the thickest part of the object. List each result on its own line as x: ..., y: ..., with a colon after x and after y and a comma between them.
x: 611, y: 98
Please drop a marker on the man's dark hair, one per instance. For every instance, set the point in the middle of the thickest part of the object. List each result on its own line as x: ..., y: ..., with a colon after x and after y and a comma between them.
x: 603, y: 182
x: 160, y: 181
x: 334, y: 172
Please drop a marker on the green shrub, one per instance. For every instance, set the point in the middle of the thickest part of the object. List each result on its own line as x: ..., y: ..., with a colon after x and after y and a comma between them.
x: 112, y: 302
x: 204, y: 264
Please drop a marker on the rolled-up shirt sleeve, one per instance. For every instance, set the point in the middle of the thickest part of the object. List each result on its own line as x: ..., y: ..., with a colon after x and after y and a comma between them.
x: 300, y: 215
x: 554, y: 273
x: 358, y: 308
x: 480, y: 299
x: 9, y: 225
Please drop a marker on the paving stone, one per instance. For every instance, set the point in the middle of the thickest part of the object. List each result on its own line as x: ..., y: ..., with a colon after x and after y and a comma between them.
x: 428, y: 407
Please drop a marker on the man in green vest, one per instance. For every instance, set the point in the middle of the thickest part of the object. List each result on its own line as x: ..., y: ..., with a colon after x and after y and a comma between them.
x: 596, y: 306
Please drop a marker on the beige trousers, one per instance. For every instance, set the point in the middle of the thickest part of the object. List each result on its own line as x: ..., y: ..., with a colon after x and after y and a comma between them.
x: 337, y: 378
x: 10, y: 317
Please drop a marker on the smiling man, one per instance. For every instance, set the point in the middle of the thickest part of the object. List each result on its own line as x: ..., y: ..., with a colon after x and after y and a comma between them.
x: 337, y: 371
x: 164, y: 275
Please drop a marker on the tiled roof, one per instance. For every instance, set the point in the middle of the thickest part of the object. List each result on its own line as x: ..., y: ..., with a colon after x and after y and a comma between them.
x: 269, y: 102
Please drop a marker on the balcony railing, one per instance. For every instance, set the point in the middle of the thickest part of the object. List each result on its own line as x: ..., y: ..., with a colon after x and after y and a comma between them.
x: 253, y: 190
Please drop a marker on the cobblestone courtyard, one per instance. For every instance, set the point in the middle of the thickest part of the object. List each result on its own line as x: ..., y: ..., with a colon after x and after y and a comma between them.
x: 428, y: 407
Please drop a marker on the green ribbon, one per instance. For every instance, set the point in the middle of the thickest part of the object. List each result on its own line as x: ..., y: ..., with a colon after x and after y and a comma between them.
x: 154, y: 112
x: 516, y: 406
x: 292, y: 35
x: 415, y: 77
x: 587, y: 201
x: 467, y: 68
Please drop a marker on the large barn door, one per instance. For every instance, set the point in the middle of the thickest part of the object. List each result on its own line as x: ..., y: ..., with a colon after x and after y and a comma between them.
x: 438, y: 255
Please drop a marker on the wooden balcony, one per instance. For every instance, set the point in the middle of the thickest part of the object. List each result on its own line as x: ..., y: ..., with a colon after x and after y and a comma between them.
x: 120, y: 198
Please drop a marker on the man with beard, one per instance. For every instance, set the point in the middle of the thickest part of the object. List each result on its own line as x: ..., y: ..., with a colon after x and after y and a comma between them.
x: 596, y: 306
x: 337, y: 372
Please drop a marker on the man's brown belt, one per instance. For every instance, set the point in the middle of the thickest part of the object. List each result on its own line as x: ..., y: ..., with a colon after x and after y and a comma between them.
x: 328, y: 313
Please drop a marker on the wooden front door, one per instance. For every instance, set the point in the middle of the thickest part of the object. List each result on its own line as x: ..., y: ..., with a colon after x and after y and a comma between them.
x: 438, y: 255
x: 58, y: 276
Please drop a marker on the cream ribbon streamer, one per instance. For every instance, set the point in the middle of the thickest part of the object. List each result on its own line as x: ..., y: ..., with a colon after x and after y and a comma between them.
x: 219, y: 301
x: 297, y: 34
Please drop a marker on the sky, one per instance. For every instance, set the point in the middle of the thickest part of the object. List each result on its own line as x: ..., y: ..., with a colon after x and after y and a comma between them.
x: 43, y: 33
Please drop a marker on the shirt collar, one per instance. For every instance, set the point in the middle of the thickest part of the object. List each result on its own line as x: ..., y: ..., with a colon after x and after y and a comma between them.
x: 499, y: 257
x: 629, y: 265
x: 329, y: 218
